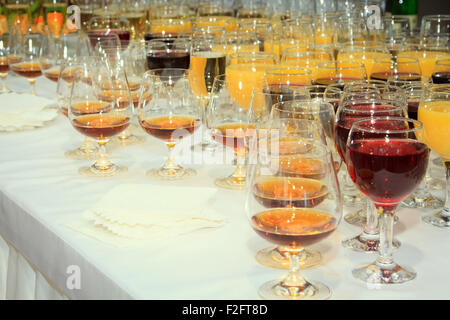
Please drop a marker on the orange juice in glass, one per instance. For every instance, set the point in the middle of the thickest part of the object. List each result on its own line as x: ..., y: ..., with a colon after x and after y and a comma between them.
x: 364, y: 56
x: 427, y: 58
x: 434, y: 113
x: 308, y: 58
x: 245, y: 72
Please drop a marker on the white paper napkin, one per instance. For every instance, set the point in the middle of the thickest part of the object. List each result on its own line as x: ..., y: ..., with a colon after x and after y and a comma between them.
x: 130, y: 213
x: 24, y: 111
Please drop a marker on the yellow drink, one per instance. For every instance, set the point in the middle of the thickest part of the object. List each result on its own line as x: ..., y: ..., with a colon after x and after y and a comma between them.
x: 241, y: 79
x: 367, y: 58
x: 435, y: 117
x: 205, y: 66
x: 427, y: 59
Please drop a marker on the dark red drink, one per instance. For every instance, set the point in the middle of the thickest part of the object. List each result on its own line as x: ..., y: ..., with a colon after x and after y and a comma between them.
x: 168, y: 59
x: 413, y: 107
x: 387, y: 171
x: 351, y: 114
x: 441, y: 77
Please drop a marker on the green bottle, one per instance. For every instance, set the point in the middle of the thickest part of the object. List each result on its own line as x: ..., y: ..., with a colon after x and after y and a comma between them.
x: 405, y: 8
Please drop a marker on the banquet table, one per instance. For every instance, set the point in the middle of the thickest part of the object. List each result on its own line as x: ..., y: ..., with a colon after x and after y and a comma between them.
x: 41, y: 192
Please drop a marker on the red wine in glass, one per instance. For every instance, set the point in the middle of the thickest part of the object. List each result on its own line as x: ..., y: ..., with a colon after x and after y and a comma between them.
x: 387, y: 170
x: 168, y: 59
x: 441, y: 77
x: 350, y: 114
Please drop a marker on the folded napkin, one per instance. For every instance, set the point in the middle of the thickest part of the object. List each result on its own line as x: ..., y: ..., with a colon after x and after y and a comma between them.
x: 24, y: 111
x: 130, y: 213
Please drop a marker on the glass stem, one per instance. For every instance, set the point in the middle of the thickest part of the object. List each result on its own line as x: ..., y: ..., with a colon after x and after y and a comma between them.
x: 4, y: 87
x: 102, y: 163
x: 385, y: 249
x: 294, y: 278
x: 371, y: 227
x: 32, y: 86
x: 446, y: 211
x: 348, y: 183
x: 170, y: 164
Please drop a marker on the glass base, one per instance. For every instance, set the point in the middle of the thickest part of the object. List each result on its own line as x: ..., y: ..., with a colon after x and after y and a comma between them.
x: 93, y: 171
x: 423, y: 200
x: 353, y: 200
x: 359, y: 218
x: 366, y: 243
x: 230, y: 183
x: 82, y: 154
x: 170, y: 174
x: 276, y: 290
x: 437, y: 219
x: 378, y: 274
x: 130, y: 140
x: 5, y: 89
x: 273, y: 257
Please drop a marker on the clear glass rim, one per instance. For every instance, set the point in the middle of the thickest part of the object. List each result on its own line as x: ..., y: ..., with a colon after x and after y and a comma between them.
x: 443, y: 89
x: 357, y: 125
x: 293, y: 71
x: 307, y: 104
x: 153, y: 73
x: 347, y: 107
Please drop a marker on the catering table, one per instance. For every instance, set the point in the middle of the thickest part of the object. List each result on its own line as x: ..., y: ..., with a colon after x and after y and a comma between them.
x: 41, y: 191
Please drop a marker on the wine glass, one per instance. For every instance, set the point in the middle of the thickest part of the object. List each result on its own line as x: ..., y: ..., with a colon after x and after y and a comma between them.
x: 245, y: 72
x: 287, y: 80
x: 290, y: 210
x: 421, y: 197
x: 296, y: 32
x: 435, y: 29
x: 229, y: 126
x: 88, y: 150
x: 102, y: 27
x: 427, y: 56
x: 397, y: 30
x: 352, y: 29
x: 134, y: 11
x: 121, y: 62
x: 4, y: 65
x: 263, y: 30
x: 434, y: 114
x: 167, y: 28
x: 402, y: 67
x: 168, y: 111
x: 233, y: 41
x: 364, y: 54
x: 29, y: 66
x: 174, y: 55
x: 339, y: 72
x: 386, y: 162
x: 441, y: 72
x: 97, y: 119
x: 278, y: 256
x: 55, y: 52
x: 356, y: 108
x: 208, y: 60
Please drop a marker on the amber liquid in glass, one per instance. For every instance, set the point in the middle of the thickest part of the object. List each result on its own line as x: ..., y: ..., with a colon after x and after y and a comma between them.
x: 52, y: 75
x: 232, y: 135
x: 164, y: 127
x: 295, y: 227
x: 101, y: 127
x: 290, y: 192
x: 27, y: 70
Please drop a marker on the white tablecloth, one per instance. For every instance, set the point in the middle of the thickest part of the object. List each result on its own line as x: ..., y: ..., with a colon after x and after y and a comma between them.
x: 41, y: 191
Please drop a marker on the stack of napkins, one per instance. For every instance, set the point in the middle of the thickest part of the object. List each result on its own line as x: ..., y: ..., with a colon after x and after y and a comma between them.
x: 24, y: 111
x: 131, y: 213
